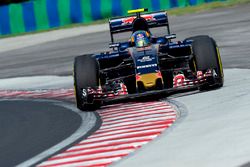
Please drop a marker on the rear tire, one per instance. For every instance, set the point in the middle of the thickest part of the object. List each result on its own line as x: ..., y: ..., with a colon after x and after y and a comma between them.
x: 207, y: 56
x: 86, y: 74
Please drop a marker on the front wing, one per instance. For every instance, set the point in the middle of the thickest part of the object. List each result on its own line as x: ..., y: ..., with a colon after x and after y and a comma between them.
x: 209, y: 78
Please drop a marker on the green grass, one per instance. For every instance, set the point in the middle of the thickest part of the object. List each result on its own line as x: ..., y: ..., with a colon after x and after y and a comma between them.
x: 206, y: 6
x: 57, y: 28
x: 177, y: 12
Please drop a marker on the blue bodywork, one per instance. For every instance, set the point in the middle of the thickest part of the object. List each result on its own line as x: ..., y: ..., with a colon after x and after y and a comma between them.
x: 123, y: 48
x: 146, y: 60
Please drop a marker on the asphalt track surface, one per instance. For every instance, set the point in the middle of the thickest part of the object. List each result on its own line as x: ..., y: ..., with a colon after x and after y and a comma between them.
x: 229, y: 27
x: 29, y: 127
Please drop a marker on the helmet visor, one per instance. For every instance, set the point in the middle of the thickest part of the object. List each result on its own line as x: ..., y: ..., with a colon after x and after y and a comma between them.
x: 141, y: 42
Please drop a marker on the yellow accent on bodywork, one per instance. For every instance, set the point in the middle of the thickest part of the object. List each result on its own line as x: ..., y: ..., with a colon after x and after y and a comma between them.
x: 194, y: 62
x: 74, y: 84
x: 195, y: 68
x: 220, y: 63
x: 137, y: 11
x: 149, y: 80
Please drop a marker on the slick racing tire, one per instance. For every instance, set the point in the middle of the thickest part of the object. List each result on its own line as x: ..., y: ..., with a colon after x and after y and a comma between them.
x: 86, y: 74
x: 130, y: 84
x: 207, y: 56
x: 168, y: 79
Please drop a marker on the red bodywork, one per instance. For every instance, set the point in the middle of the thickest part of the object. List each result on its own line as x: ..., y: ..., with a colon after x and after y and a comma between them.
x: 130, y: 20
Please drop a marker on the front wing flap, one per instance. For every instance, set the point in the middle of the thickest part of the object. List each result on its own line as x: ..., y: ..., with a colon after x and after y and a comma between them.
x: 179, y: 84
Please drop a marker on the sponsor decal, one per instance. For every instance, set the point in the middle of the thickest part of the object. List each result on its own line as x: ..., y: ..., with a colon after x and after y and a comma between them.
x: 143, y: 48
x: 146, y: 66
x: 179, y: 80
x: 148, y: 17
x: 146, y: 59
x: 199, y: 74
x: 178, y: 45
x: 130, y: 20
x: 84, y: 93
x: 214, y: 73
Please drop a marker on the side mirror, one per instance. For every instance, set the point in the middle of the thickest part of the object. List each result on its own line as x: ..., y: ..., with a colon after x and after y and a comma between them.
x: 124, y: 46
x: 171, y: 36
x: 161, y: 40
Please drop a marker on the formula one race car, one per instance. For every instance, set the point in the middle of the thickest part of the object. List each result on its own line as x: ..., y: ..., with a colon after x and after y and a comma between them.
x: 145, y: 64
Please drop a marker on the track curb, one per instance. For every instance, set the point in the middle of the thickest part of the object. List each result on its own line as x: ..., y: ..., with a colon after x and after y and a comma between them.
x: 125, y: 128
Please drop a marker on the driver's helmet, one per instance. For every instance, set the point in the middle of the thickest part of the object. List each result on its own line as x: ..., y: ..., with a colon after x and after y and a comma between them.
x: 140, y: 38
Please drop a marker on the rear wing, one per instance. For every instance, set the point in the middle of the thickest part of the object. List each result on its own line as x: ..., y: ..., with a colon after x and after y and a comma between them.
x: 125, y: 24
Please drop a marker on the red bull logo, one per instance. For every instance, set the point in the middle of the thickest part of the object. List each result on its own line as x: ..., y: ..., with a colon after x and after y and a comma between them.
x: 130, y: 20
x: 148, y: 17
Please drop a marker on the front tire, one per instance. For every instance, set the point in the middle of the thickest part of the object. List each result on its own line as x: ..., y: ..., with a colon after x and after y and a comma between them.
x: 86, y: 74
x: 130, y: 84
x: 168, y: 79
x: 207, y: 56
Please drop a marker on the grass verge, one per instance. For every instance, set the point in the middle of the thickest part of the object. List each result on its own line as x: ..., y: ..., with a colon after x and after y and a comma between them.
x: 206, y: 7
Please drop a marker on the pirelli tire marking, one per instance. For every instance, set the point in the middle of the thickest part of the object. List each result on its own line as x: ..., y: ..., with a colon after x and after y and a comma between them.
x: 126, y: 128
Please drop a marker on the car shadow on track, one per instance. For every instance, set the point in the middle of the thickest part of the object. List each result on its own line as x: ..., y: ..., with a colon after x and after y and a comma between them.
x: 163, y: 95
x: 246, y: 165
